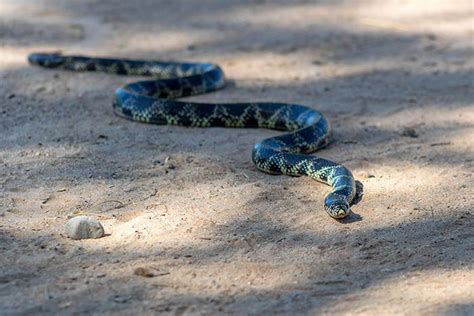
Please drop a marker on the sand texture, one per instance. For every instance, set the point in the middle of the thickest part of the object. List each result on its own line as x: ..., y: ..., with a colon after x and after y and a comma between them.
x: 192, y: 227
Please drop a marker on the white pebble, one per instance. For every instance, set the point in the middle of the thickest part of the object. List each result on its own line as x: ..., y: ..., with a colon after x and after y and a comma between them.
x: 84, y: 227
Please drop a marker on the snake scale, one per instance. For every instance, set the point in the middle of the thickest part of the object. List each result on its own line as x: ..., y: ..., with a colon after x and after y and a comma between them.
x: 153, y: 101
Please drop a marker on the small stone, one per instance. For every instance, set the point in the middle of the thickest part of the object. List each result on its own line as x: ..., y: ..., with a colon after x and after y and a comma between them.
x: 120, y: 299
x: 84, y: 227
x: 409, y: 132
x: 144, y: 272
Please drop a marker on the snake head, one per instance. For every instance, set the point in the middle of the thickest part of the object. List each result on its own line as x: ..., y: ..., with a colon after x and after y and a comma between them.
x: 336, y: 206
x: 49, y: 60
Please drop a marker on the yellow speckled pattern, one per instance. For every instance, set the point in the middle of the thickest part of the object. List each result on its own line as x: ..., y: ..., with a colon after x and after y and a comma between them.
x: 152, y: 101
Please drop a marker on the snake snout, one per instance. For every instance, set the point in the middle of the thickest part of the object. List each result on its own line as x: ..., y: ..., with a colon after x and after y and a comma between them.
x: 341, y: 213
x: 338, y: 212
x: 336, y: 206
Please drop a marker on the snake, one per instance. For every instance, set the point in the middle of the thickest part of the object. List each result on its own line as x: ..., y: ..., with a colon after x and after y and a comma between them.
x: 154, y: 101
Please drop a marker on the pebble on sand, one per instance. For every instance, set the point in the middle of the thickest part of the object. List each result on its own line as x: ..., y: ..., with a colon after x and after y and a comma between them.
x: 84, y: 227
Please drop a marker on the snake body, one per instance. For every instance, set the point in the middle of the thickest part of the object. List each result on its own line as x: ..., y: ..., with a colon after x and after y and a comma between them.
x: 153, y: 101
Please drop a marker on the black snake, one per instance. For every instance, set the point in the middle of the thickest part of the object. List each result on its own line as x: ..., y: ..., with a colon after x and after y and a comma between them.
x: 152, y: 101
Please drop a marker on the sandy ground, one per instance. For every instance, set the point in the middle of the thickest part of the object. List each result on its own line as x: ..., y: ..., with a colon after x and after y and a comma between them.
x: 394, y: 77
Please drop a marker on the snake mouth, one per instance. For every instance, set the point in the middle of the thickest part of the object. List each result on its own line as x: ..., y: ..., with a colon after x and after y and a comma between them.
x: 341, y: 213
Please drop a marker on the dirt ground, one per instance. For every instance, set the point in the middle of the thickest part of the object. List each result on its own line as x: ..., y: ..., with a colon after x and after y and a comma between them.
x: 213, y: 234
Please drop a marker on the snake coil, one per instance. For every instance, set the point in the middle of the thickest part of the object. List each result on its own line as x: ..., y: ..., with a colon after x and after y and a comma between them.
x: 152, y: 101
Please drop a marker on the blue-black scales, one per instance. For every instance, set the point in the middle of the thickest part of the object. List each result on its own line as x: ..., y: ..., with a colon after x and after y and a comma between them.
x: 153, y: 101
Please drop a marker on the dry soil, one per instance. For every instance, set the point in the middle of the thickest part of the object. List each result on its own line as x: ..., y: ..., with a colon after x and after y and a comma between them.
x: 192, y: 226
